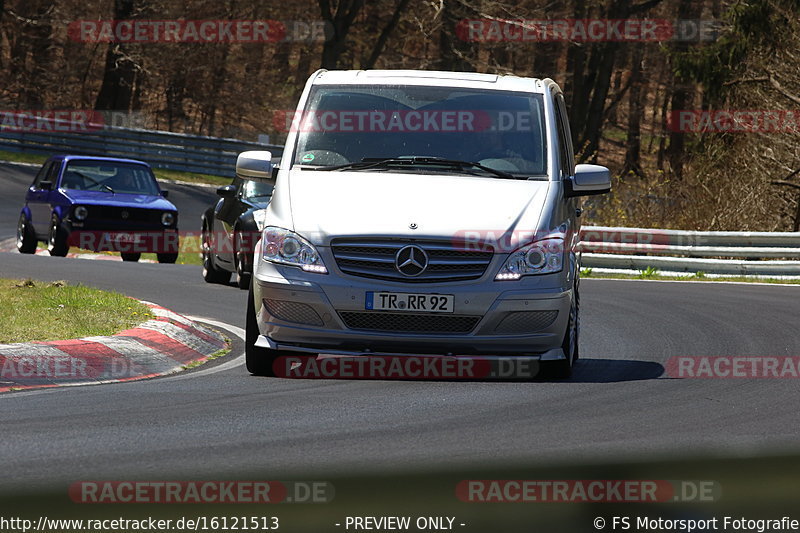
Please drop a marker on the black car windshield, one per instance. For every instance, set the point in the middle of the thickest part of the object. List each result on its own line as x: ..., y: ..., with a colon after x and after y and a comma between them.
x: 497, y: 129
x: 110, y: 177
x: 256, y: 190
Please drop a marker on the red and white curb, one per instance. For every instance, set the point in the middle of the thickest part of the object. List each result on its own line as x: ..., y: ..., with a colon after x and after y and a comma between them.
x: 163, y: 345
x: 10, y: 245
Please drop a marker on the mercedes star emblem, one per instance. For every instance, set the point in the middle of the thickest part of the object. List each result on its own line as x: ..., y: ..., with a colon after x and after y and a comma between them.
x: 411, y: 260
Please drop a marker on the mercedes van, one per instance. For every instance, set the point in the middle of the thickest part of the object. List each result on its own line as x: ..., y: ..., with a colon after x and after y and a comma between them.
x: 420, y: 213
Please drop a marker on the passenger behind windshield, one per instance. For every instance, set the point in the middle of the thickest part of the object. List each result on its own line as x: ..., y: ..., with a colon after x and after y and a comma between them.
x: 111, y: 178
x: 346, y: 124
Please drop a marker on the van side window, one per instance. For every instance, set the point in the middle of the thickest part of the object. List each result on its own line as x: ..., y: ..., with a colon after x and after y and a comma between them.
x: 563, y: 156
x: 562, y: 107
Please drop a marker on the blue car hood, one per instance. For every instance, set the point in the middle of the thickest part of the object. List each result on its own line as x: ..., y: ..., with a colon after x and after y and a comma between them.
x: 146, y: 201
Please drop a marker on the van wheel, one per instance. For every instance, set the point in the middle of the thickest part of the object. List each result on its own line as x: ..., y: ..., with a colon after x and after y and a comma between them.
x: 26, y: 237
x: 57, y: 239
x: 130, y: 256
x: 563, y: 369
x: 258, y: 360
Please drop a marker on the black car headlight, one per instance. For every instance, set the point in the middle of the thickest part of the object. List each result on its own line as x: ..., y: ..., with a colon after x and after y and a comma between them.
x: 80, y: 213
x: 168, y: 218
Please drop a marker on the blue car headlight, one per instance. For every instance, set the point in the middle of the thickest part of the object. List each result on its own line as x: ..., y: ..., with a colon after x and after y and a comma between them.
x: 286, y: 247
x: 80, y: 213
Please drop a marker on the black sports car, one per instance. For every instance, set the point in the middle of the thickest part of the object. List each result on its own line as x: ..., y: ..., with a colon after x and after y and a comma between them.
x: 231, y: 229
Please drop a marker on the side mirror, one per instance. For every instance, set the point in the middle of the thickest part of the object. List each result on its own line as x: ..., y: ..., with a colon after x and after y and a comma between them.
x: 165, y: 194
x: 588, y: 180
x: 226, y: 191
x: 46, y: 185
x: 255, y: 165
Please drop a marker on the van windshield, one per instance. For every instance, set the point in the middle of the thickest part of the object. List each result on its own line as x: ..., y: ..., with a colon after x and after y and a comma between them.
x: 348, y: 124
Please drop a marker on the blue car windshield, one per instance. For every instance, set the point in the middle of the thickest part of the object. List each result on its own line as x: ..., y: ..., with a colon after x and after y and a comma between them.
x: 110, y: 177
x: 498, y: 129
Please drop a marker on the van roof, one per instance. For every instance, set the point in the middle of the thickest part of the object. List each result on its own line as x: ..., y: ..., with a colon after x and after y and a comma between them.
x: 430, y: 77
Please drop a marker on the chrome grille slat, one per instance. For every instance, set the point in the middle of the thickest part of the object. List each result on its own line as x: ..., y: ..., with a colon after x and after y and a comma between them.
x: 375, y: 258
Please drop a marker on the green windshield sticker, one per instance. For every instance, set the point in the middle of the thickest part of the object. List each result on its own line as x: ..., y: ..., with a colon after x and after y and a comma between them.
x: 308, y: 157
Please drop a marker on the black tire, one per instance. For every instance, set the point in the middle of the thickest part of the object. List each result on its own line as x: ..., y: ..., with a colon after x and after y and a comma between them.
x: 259, y: 361
x: 242, y: 278
x: 131, y: 256
x: 57, y: 239
x: 26, y: 237
x: 211, y: 274
x: 563, y: 369
x: 168, y: 258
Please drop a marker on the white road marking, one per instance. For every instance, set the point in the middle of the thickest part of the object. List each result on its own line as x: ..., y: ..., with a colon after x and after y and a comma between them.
x: 233, y: 363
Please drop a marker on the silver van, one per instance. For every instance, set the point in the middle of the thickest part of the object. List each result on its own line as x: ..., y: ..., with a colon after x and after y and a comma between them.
x: 420, y: 212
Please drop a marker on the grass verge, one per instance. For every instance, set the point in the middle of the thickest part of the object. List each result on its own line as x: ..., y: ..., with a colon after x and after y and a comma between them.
x: 41, y: 311
x: 161, y: 174
x: 651, y: 274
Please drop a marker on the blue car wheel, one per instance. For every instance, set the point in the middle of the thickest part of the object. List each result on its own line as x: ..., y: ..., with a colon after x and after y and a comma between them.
x: 26, y: 237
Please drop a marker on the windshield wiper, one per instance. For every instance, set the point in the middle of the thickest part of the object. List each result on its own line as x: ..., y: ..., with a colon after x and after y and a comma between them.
x: 377, y: 162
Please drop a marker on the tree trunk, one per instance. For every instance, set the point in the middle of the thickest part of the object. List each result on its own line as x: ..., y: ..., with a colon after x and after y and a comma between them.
x: 119, y: 76
x: 633, y: 143
x: 341, y: 22
x: 380, y: 44
x: 682, y: 94
x: 456, y: 53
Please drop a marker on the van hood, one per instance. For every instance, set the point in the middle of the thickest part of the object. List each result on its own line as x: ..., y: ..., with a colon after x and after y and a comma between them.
x: 326, y: 204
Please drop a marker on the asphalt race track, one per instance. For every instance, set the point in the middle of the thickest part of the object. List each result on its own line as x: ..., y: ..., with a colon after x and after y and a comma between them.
x: 220, y: 421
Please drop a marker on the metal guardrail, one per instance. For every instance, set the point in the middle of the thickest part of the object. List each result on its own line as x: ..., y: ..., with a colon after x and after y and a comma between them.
x: 161, y: 149
x: 713, y: 252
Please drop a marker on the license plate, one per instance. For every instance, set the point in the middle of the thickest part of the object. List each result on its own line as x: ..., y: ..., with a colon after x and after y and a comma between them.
x: 405, y: 301
x: 127, y: 238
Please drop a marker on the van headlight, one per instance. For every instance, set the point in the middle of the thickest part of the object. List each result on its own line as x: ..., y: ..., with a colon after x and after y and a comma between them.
x: 167, y: 218
x: 286, y: 247
x: 541, y: 257
x: 81, y: 213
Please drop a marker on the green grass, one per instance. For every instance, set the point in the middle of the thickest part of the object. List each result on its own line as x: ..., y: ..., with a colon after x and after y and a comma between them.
x: 161, y: 174
x: 699, y: 276
x: 19, y: 157
x: 41, y: 311
x: 189, y: 253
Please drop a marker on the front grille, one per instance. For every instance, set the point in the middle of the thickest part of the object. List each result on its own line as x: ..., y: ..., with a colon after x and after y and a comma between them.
x: 408, y: 323
x: 375, y: 258
x: 296, y: 312
x: 134, y: 214
x: 526, y: 321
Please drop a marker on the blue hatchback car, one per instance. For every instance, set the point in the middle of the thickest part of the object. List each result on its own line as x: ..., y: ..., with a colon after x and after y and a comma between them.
x: 98, y: 204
